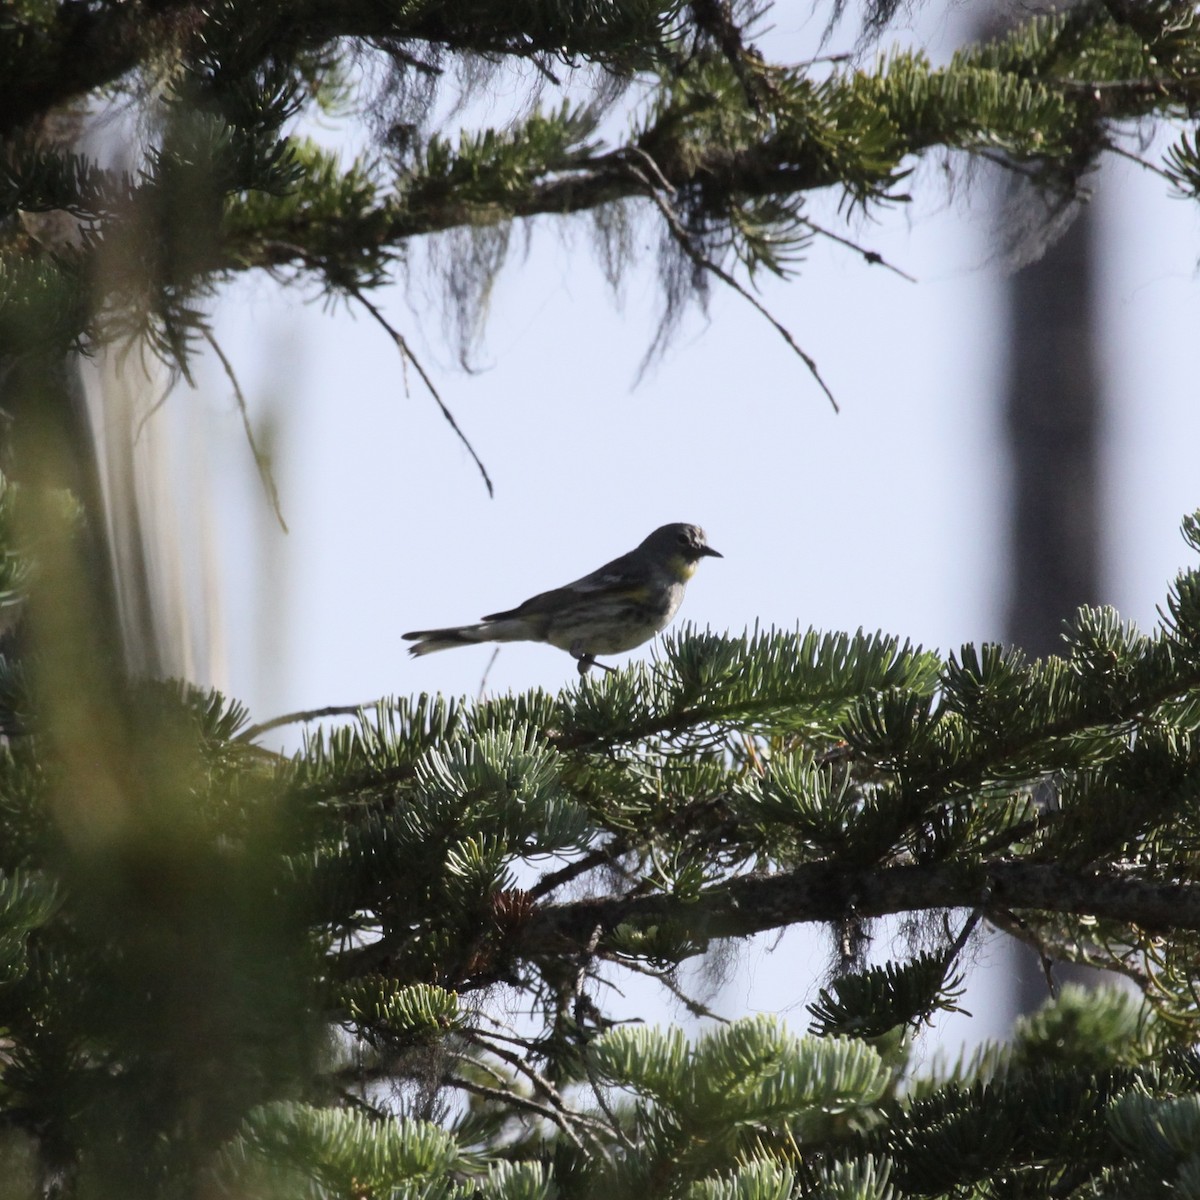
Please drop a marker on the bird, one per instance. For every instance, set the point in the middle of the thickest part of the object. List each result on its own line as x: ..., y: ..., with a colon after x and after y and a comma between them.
x: 616, y: 608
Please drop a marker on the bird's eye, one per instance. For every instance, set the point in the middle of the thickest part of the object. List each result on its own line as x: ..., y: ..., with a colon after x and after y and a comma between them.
x: 683, y: 539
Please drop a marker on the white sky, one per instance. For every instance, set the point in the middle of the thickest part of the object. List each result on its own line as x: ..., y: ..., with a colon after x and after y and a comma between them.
x: 888, y: 516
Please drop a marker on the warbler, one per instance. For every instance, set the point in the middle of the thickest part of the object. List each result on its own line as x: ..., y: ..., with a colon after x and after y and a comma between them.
x: 620, y: 606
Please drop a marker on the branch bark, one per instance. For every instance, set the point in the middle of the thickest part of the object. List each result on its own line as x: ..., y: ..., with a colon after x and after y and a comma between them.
x: 827, y: 891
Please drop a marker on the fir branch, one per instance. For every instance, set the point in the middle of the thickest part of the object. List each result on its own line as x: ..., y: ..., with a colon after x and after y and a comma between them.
x: 826, y: 891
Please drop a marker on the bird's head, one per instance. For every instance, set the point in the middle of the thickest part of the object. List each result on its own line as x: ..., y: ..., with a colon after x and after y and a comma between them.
x: 681, y: 546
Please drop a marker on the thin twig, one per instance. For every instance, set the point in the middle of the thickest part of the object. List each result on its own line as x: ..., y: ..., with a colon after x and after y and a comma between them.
x: 1014, y: 926
x: 1075, y: 953
x: 964, y: 935
x: 313, y: 262
x: 822, y: 58
x: 664, y: 978
x: 604, y: 1106
x: 585, y: 960
x: 536, y: 1078
x: 172, y: 379
x: 873, y: 257
x: 309, y: 714
x: 504, y: 1096
x: 410, y: 60
x: 406, y: 350
x: 372, y: 1110
x: 681, y: 235
x: 545, y: 71
x: 605, y: 855
x: 1150, y: 87
x: 1121, y: 152
x: 1027, y: 170
x: 486, y: 672
x: 260, y: 459
x: 652, y: 167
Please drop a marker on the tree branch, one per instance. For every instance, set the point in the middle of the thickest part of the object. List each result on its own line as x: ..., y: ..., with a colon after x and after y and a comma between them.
x: 86, y: 46
x: 826, y: 891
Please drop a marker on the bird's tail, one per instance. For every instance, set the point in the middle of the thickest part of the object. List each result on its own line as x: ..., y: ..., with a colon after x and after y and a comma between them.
x: 429, y: 641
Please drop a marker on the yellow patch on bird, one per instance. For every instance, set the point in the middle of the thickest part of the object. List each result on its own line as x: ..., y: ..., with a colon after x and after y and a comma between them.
x: 681, y: 568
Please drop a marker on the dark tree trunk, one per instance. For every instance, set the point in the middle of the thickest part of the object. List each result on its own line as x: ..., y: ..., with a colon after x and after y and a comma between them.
x: 1053, y: 424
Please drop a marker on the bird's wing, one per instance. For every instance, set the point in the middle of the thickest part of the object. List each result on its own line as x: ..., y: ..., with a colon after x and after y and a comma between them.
x: 613, y: 578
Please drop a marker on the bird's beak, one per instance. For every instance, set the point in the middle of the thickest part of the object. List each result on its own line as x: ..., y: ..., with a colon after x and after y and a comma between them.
x: 709, y: 552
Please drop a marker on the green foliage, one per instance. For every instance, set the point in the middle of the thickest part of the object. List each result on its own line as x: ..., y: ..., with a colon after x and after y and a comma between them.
x: 283, y: 974
x: 517, y: 1181
x: 418, y: 1013
x: 493, y: 167
x: 870, y: 1003
x: 1088, y: 1028
x: 36, y: 179
x: 742, y: 1094
x: 1162, y: 1136
x: 726, y: 145
x: 26, y: 903
x: 746, y: 1073
x: 382, y: 967
x: 349, y: 1154
x: 757, y: 1181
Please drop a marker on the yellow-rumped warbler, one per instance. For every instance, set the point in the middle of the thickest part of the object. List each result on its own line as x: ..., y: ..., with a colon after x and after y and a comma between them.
x: 620, y: 606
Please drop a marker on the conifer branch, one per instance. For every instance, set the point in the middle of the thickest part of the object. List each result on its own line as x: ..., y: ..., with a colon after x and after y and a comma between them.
x: 827, y: 891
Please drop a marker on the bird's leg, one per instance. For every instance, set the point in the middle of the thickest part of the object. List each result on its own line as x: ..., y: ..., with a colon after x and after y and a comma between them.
x: 585, y: 661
